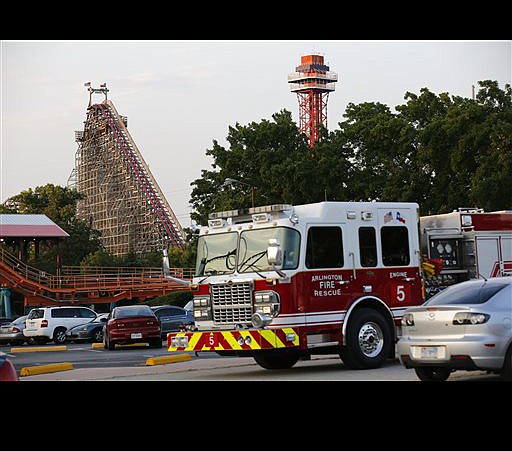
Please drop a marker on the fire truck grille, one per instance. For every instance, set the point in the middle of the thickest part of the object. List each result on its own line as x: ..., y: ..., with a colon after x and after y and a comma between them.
x: 231, y: 303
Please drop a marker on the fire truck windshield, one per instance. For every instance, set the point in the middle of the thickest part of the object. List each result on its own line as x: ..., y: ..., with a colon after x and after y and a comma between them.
x: 253, y: 248
x: 217, y: 254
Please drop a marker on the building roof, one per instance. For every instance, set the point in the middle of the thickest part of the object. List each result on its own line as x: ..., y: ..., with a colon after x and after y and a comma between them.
x: 29, y: 226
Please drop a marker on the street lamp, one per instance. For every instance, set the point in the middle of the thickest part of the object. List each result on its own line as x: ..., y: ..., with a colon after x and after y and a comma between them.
x: 230, y: 181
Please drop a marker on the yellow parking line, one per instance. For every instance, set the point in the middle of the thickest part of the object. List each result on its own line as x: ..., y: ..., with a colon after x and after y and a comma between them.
x: 167, y: 359
x: 40, y: 349
x: 41, y: 369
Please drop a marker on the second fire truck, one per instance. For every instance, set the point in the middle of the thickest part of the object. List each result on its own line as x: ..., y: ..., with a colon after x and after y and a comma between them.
x: 281, y: 283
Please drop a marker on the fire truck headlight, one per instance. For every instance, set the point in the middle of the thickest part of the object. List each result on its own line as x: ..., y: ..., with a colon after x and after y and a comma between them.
x: 266, y: 297
x: 260, y: 320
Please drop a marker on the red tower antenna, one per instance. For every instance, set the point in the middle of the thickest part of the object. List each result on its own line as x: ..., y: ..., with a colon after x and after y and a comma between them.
x: 312, y: 82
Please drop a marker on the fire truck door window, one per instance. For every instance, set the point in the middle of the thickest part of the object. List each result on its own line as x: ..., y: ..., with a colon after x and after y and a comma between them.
x: 395, y: 246
x: 324, y: 248
x: 367, y: 246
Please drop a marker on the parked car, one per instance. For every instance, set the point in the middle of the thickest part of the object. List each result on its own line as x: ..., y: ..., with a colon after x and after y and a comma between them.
x: 51, y: 323
x: 7, y: 370
x: 90, y: 332
x: 173, y: 318
x: 12, y: 333
x: 132, y: 324
x: 6, y: 320
x: 466, y: 326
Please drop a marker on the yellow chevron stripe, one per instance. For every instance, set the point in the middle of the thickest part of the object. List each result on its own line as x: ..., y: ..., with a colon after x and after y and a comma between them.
x: 269, y: 336
x: 193, y: 340
x: 231, y: 340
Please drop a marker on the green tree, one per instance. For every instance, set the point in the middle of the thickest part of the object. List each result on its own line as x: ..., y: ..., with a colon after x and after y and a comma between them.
x: 59, y: 204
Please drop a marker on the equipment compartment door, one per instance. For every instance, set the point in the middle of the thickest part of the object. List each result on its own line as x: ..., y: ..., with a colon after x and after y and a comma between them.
x: 488, y: 256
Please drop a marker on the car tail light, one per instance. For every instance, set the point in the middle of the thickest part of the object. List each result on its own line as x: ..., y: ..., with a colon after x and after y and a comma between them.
x: 470, y: 318
x: 44, y: 323
x: 15, y: 330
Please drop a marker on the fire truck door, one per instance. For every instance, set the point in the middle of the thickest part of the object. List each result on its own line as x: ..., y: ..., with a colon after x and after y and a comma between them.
x: 328, y: 275
x: 493, y: 255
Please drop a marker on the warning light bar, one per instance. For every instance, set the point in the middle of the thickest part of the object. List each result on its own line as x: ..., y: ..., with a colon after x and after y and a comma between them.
x: 249, y: 211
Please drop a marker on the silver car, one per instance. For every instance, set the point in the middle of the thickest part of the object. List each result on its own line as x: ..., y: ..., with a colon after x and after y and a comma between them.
x: 467, y: 326
x: 13, y: 332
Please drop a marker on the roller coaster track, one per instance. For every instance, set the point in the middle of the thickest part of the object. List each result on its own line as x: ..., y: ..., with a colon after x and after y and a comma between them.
x: 88, y: 284
x: 145, y: 180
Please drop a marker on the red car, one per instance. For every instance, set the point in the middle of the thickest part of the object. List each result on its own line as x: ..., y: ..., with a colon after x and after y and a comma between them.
x: 7, y: 370
x: 132, y: 324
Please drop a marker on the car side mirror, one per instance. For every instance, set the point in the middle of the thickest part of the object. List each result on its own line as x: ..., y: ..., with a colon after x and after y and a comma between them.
x: 274, y: 254
x: 103, y: 320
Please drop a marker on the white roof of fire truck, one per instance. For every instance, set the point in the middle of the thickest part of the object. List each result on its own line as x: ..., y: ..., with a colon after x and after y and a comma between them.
x: 321, y: 212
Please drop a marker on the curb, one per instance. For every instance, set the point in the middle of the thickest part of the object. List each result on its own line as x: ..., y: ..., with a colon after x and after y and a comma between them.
x: 132, y: 345
x: 40, y: 349
x: 167, y: 359
x: 42, y: 369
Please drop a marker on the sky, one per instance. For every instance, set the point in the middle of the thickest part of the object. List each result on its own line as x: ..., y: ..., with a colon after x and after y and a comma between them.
x: 180, y: 96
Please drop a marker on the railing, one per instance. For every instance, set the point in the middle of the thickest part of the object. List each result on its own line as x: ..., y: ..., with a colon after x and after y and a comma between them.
x: 94, y: 277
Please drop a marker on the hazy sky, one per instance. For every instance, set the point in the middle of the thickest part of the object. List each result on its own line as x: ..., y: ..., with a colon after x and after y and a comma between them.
x: 181, y: 95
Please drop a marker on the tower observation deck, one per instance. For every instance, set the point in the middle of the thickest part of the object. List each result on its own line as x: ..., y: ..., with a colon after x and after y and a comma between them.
x: 312, y: 82
x: 121, y: 197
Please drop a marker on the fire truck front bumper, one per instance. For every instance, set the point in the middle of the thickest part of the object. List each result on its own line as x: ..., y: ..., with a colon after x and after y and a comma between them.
x: 233, y: 340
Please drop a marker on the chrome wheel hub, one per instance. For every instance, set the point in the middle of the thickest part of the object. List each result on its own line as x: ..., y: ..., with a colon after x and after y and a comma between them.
x: 371, y: 339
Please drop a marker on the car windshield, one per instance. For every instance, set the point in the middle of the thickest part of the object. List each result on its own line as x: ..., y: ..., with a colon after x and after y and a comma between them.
x: 136, y: 310
x: 19, y: 320
x: 474, y: 292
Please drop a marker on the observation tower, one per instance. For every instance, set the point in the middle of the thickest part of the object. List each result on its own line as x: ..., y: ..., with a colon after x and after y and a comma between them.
x: 312, y: 81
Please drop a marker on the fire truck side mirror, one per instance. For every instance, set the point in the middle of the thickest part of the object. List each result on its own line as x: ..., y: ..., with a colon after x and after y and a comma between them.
x: 274, y: 254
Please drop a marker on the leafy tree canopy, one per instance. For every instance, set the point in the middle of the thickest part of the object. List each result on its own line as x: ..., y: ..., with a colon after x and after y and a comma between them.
x: 440, y: 151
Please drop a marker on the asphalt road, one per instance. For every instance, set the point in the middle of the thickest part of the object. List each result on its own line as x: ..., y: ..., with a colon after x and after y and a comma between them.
x: 129, y: 364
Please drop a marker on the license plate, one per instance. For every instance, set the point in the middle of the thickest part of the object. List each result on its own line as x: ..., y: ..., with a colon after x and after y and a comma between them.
x: 137, y: 335
x: 430, y: 352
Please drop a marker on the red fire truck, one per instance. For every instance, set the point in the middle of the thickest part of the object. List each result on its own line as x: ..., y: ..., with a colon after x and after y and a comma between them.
x: 280, y: 283
x: 469, y: 243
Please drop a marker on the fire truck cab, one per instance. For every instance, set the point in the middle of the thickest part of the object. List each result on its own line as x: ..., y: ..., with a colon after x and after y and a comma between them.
x: 280, y: 283
x: 470, y: 242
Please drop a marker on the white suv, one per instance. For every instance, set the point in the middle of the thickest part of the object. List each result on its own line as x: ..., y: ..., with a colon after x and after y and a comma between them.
x: 50, y: 323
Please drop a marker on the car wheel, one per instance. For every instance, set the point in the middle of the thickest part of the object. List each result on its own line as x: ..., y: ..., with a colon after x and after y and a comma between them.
x: 369, y: 340
x: 97, y: 336
x: 276, y: 362
x: 59, y: 335
x: 107, y: 344
x: 433, y: 373
x: 506, y: 372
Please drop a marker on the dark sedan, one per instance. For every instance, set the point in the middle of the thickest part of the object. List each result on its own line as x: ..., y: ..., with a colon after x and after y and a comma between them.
x: 173, y: 318
x: 90, y: 332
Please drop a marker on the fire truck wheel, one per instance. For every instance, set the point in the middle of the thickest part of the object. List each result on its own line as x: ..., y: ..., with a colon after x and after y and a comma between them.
x: 276, y: 362
x: 369, y: 340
